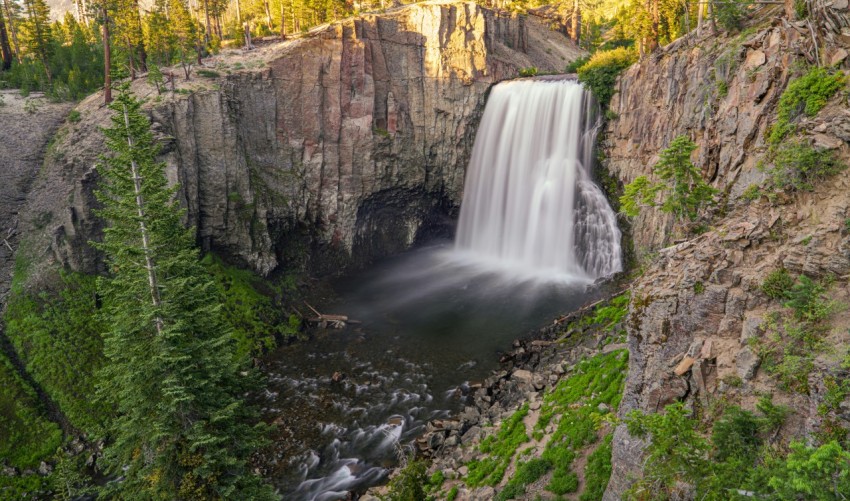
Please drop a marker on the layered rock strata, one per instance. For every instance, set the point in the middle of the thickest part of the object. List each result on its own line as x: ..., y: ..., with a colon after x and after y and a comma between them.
x: 698, y: 312
x: 341, y: 147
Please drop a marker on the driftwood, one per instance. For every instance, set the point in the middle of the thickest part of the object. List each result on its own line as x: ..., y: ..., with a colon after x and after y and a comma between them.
x: 326, y: 320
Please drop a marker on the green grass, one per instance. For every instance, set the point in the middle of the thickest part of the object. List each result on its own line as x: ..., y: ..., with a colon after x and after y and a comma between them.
x: 500, y: 449
x: 452, y: 495
x: 526, y: 473
x: 57, y: 335
x: 26, y: 435
x: 608, y: 315
x: 597, y: 472
x: 598, y: 380
x: 576, y: 400
x: 31, y: 486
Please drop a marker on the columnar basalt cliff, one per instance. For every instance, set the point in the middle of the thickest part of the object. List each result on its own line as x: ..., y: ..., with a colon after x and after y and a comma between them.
x: 698, y: 312
x: 354, y: 139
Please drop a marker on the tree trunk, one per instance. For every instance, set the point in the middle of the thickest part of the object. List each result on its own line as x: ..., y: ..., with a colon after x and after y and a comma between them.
x: 711, y: 16
x: 5, y: 49
x: 81, y: 12
x: 143, y: 230
x: 238, y: 12
x: 207, y: 28
x: 268, y: 14
x: 575, y: 25
x: 130, y: 64
x: 13, y: 30
x: 282, y: 21
x: 140, y: 47
x: 107, y: 59
x: 654, y: 12
x: 700, y: 8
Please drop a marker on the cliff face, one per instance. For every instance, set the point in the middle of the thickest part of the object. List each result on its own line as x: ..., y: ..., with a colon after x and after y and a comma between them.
x: 354, y: 139
x: 700, y: 300
x: 22, y: 151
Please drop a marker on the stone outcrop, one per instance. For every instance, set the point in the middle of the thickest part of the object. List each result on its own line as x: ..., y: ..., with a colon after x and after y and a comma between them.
x: 343, y: 146
x: 722, y: 92
x: 698, y: 309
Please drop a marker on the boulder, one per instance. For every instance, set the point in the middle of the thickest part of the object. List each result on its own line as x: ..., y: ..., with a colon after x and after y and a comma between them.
x: 747, y: 363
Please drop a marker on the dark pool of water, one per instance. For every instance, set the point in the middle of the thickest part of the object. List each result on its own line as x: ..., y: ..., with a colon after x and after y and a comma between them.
x: 430, y: 321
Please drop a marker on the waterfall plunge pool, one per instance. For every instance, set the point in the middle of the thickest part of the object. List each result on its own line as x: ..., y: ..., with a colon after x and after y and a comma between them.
x: 431, y: 323
x: 534, y: 233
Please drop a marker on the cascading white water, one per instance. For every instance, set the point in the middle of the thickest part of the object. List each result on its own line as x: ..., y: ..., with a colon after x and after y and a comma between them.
x: 530, y: 204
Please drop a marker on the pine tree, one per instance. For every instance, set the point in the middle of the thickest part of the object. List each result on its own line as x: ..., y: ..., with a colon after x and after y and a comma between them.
x: 5, y: 48
x: 37, y: 31
x: 185, y: 31
x: 11, y: 10
x: 181, y: 430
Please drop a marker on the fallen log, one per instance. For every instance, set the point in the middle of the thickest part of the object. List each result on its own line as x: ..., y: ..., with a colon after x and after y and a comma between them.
x: 327, y: 320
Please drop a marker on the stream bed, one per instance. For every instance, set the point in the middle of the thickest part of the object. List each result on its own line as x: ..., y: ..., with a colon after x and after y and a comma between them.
x: 346, y: 403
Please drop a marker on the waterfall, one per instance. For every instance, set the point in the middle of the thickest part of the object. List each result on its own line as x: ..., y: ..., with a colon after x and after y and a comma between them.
x: 530, y: 205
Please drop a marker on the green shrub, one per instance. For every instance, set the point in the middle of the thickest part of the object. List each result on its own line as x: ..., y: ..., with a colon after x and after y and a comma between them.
x: 248, y: 306
x: 752, y: 193
x: 58, y: 337
x: 74, y: 116
x: 807, y: 300
x: 26, y: 435
x: 807, y: 94
x: 734, y: 459
x: 208, y: 73
x: 526, y: 473
x: 798, y: 166
x: 773, y: 415
x: 809, y: 473
x: 676, y: 452
x: 409, y: 483
x: 736, y: 434
x: 685, y: 192
x: 576, y: 64
x: 731, y: 14
x: 563, y: 483
x: 777, y: 284
x: 528, y: 72
x: 600, y: 72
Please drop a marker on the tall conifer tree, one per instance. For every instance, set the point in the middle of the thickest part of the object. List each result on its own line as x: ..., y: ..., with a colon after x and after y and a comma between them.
x: 37, y: 29
x: 181, y: 430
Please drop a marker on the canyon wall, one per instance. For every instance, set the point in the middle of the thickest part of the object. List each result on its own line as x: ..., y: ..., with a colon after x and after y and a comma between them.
x: 697, y: 312
x: 343, y: 146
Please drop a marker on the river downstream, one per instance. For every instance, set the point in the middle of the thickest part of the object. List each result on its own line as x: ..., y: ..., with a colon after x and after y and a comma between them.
x: 345, y: 403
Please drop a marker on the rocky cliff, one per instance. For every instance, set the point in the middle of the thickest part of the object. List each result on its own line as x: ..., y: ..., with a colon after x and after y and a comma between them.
x: 342, y: 146
x: 698, y: 316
